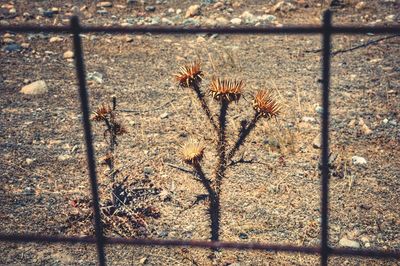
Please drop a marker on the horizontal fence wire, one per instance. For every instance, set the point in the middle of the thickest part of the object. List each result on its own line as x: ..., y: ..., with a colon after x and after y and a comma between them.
x: 32, y: 238
x: 293, y: 30
x: 100, y: 240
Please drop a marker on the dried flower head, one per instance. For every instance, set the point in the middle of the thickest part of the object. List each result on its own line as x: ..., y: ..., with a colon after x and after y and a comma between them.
x: 266, y: 105
x: 192, y: 152
x: 101, y: 113
x: 229, y: 90
x: 189, y: 75
x: 119, y: 129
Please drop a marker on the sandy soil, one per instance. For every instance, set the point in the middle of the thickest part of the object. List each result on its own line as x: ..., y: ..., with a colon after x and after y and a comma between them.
x: 275, y: 199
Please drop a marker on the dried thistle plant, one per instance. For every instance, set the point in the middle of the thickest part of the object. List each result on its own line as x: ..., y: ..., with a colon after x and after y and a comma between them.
x: 224, y: 91
x: 113, y: 129
x: 190, y: 76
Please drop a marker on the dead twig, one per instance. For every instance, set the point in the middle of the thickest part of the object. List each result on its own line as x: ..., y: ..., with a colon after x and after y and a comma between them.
x: 371, y: 42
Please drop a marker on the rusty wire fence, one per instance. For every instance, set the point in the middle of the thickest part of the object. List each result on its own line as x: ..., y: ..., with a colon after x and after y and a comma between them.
x: 326, y: 30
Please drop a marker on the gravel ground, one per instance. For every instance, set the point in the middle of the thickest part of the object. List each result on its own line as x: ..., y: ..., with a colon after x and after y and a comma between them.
x: 274, y: 199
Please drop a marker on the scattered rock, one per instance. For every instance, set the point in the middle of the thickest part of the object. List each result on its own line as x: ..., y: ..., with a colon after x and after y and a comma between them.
x: 143, y: 261
x: 283, y: 6
x: 385, y: 121
x: 360, y: 5
x: 317, y: 142
x: 200, y: 39
x: 8, y: 40
x: 364, y: 128
x: 35, y: 88
x: 29, y: 161
x: 319, y: 110
x: 29, y: 190
x: 25, y: 45
x: 68, y: 55
x: 236, y: 21
x: 104, y: 4
x: 96, y: 76
x: 221, y: 21
x: 12, y: 48
x: 352, y: 123
x: 243, y: 236
x: 390, y: 18
x: 148, y: 170
x: 63, y: 157
x: 344, y: 242
x: 164, y: 115
x: 102, y: 12
x: 308, y: 119
x: 192, y: 11
x: 167, y: 21
x: 248, y: 17
x: 150, y: 8
x: 55, y: 39
x: 358, y: 160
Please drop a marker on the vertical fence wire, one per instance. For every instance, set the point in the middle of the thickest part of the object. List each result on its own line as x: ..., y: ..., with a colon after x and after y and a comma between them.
x: 80, y: 72
x: 326, y: 55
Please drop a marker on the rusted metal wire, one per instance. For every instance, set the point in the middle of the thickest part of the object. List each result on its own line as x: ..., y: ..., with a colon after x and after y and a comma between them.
x: 327, y: 30
x: 326, y: 56
x: 31, y: 238
x: 312, y: 29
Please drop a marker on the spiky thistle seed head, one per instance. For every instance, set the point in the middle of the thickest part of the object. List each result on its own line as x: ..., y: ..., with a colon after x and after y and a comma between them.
x: 119, y: 129
x: 189, y: 75
x: 266, y: 105
x: 101, y: 113
x: 192, y: 152
x: 226, y: 89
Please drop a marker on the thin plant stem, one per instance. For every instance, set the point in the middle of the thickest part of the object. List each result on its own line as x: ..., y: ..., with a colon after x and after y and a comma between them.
x: 214, y: 207
x: 204, y: 105
x: 221, y: 147
x: 242, y: 136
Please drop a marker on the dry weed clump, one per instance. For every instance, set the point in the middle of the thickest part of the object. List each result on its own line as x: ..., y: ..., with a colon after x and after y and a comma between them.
x: 224, y: 91
x: 130, y: 202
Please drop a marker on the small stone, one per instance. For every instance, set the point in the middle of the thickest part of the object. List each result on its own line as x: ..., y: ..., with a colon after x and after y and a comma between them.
x: 248, y: 17
x: 319, y: 110
x: 200, y: 39
x: 48, y: 13
x: 29, y: 190
x: 344, y: 242
x: 96, y: 76
x: 360, y: 5
x: 317, y: 142
x: 222, y: 21
x: 68, y: 55
x: 25, y: 45
x: 178, y: 11
x: 102, y: 12
x: 12, y: 11
x: 167, y: 21
x: 236, y: 21
x: 385, y: 121
x: 12, y: 48
x: 8, y: 40
x: 390, y: 18
x: 104, y: 4
x: 393, y: 122
x: 55, y: 39
x: 218, y: 5
x: 192, y: 11
x: 358, y: 160
x: 35, y: 88
x: 29, y: 161
x: 148, y: 170
x: 364, y: 239
x: 164, y: 115
x: 143, y: 260
x: 63, y: 157
x: 308, y: 119
x: 150, y: 8
x: 352, y: 123
x: 364, y: 128
x: 171, y: 10
x: 243, y: 236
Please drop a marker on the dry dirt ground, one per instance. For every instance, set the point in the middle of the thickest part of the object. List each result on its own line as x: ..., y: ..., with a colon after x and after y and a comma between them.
x: 275, y: 199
